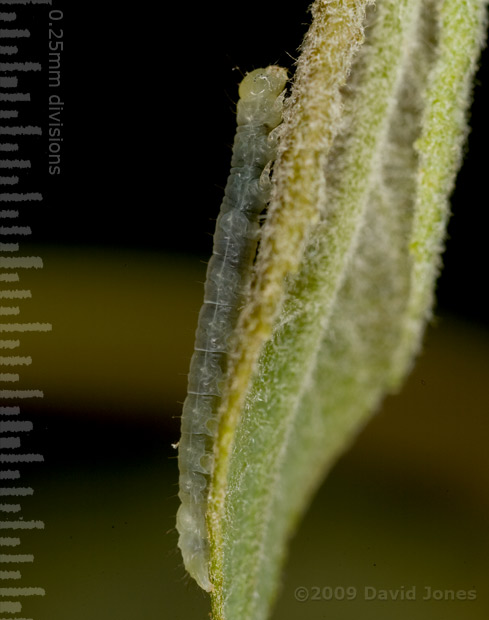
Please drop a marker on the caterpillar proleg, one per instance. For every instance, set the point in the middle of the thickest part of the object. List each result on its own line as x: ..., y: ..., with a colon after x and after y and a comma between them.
x: 235, y: 241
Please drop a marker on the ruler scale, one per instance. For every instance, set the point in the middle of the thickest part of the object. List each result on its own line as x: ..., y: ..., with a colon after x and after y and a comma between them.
x: 22, y: 74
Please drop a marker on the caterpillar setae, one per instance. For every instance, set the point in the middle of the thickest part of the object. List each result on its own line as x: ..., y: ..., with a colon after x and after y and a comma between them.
x: 228, y: 273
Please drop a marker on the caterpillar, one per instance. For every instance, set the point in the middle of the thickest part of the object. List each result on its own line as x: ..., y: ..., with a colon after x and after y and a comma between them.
x: 247, y: 191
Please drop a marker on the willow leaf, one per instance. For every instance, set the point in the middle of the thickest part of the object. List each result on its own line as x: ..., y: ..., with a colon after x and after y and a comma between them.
x: 346, y: 270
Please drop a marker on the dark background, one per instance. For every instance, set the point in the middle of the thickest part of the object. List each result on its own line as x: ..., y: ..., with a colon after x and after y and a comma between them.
x: 149, y: 122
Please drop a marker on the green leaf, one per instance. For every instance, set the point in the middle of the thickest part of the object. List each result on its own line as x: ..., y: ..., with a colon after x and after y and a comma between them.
x: 346, y: 271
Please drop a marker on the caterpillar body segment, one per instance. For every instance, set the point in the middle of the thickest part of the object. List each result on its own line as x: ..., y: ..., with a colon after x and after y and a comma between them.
x: 235, y: 240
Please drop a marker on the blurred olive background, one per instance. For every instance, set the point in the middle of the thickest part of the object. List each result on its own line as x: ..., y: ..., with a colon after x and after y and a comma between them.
x: 124, y: 236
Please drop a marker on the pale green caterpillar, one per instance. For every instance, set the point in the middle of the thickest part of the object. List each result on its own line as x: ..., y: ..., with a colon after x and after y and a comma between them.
x: 235, y: 240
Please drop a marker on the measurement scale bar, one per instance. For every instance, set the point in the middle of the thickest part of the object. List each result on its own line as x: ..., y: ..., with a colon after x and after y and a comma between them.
x: 16, y: 558
x: 16, y: 197
x: 26, y: 327
x: 15, y: 361
x: 9, y: 344
x: 20, y: 394
x: 20, y: 66
x: 8, y: 541
x: 12, y: 426
x: 22, y: 591
x: 14, y: 33
x: 21, y: 458
x: 29, y: 130
x: 8, y: 82
x: 9, y: 443
x: 12, y: 508
x: 18, y: 492
x: 15, y: 97
x: 14, y: 163
x: 10, y: 2
x: 9, y: 410
x: 22, y: 262
x: 10, y: 474
x: 18, y: 294
x: 21, y: 525
x: 9, y: 377
x: 15, y: 230
x: 10, y: 607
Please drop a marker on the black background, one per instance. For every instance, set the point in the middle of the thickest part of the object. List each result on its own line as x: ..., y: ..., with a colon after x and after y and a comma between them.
x: 149, y: 120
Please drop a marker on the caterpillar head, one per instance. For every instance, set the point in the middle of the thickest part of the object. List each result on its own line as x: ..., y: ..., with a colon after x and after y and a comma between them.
x: 259, y: 96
